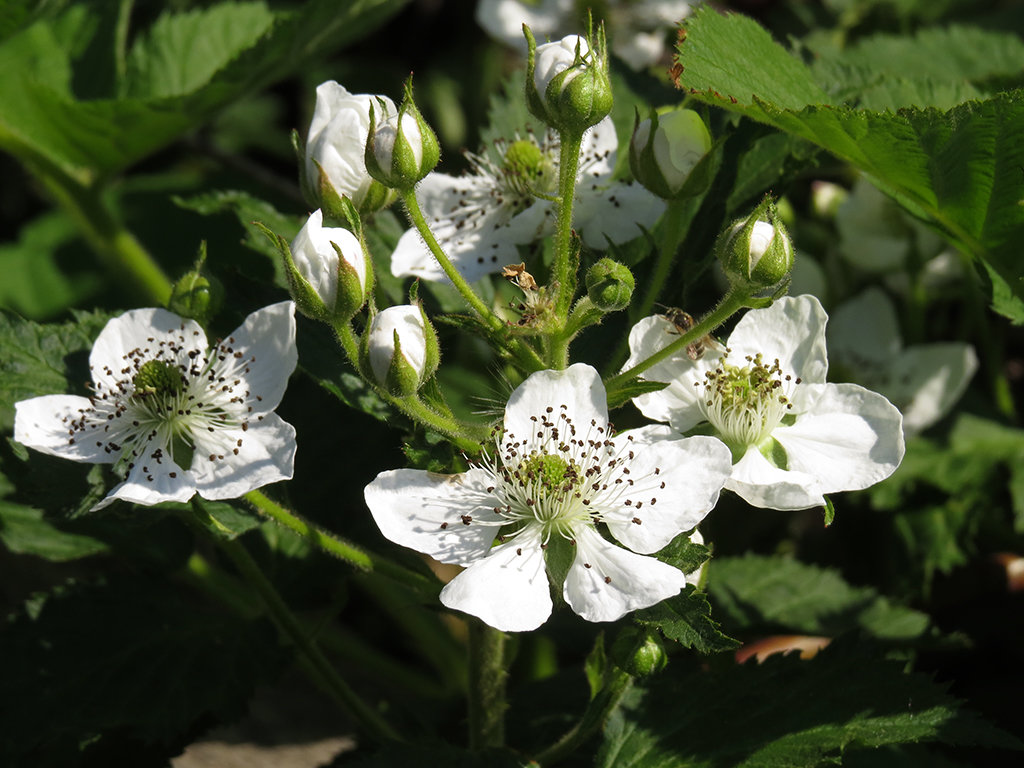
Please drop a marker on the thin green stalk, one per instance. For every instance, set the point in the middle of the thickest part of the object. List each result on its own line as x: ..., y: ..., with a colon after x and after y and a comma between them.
x: 117, y: 248
x: 594, y: 717
x: 487, y: 680
x: 675, y: 224
x: 732, y: 303
x: 335, y: 545
x: 467, y: 437
x: 375, y: 726
x: 523, y: 352
x: 568, y: 166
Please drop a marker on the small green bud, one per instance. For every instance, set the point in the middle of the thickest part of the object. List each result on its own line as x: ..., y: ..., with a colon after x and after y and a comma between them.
x: 197, y: 295
x: 610, y: 285
x: 665, y: 151
x: 400, y: 350
x: 756, y: 252
x: 401, y: 149
x: 567, y: 83
x: 639, y: 652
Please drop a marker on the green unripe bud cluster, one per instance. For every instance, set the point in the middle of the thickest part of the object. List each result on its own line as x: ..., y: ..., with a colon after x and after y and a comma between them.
x: 639, y: 652
x: 197, y: 295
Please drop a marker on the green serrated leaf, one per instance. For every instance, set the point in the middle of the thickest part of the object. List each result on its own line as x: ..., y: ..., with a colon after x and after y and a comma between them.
x: 793, y: 713
x: 959, y: 170
x: 754, y: 593
x: 40, y: 359
x: 684, y: 554
x: 84, y: 665
x: 686, y: 618
x: 181, y: 52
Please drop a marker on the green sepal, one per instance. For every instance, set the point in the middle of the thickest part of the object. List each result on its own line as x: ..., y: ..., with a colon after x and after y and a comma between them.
x: 306, y: 299
x: 404, y: 170
x: 299, y: 148
x: 352, y: 292
x: 609, y: 285
x: 733, y: 251
x: 401, y: 380
x: 830, y: 511
x: 433, y: 356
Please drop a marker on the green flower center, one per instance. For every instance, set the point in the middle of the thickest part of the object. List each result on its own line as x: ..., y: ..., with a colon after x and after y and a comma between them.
x: 157, y: 377
x: 527, y: 168
x: 552, y: 473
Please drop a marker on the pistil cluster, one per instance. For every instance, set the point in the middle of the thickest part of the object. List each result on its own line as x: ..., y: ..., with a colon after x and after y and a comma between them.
x: 746, y: 402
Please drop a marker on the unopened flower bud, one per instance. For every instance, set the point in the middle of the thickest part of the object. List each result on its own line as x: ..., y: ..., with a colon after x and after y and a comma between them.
x: 329, y: 273
x: 610, y: 285
x: 826, y: 197
x: 567, y: 84
x: 639, y: 652
x: 400, y: 349
x: 665, y: 150
x: 401, y: 149
x: 197, y: 295
x: 334, y: 165
x: 756, y: 252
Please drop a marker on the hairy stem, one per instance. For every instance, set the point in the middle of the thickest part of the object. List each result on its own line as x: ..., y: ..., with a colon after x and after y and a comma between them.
x: 487, y: 678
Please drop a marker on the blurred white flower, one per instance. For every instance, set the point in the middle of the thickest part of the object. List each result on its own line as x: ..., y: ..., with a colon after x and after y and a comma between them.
x: 793, y: 437
x: 557, y: 472
x: 638, y: 29
x: 923, y: 380
x: 479, y: 219
x: 175, y: 417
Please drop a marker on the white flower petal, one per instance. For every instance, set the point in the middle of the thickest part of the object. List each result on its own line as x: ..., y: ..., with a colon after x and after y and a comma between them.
x: 424, y: 511
x: 792, y: 330
x: 267, y: 340
x: 616, y: 214
x: 597, y: 155
x: 864, y: 330
x: 639, y: 49
x: 762, y: 484
x: 925, y: 380
x: 508, y: 589
x: 155, y: 330
x: 852, y: 439
x: 504, y: 19
x: 617, y: 581
x: 42, y: 423
x: 692, y: 472
x: 150, y: 482
x: 678, y: 403
x: 244, y: 460
x: 577, y: 392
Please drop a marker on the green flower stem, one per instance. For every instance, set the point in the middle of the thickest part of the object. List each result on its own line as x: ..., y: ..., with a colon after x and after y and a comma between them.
x: 341, y: 549
x: 487, y: 678
x: 526, y: 355
x: 732, y: 303
x: 310, y: 654
x: 562, y: 272
x: 467, y: 437
x: 202, y: 575
x: 117, y: 248
x: 600, y: 707
x: 675, y: 223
